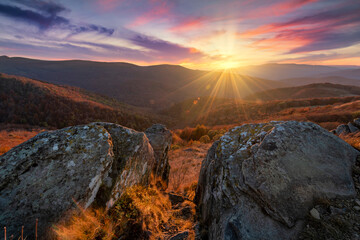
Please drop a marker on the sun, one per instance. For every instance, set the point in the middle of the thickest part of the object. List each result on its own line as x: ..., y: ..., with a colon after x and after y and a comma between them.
x: 227, y: 65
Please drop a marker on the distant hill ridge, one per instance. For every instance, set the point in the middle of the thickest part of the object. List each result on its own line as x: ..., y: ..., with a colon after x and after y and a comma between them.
x: 328, y: 79
x: 275, y: 71
x: 156, y: 87
x: 27, y: 101
x: 315, y: 90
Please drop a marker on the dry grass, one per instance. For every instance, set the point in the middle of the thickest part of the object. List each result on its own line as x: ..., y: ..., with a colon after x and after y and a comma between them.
x: 185, y: 164
x: 12, y: 138
x: 353, y: 139
x: 87, y: 224
x: 140, y: 213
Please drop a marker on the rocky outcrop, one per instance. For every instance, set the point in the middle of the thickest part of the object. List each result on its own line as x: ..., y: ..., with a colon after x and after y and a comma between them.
x: 160, y: 139
x: 90, y: 164
x: 259, y: 181
x: 351, y: 127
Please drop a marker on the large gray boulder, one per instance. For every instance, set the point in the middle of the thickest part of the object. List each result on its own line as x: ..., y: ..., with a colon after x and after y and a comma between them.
x: 259, y: 181
x: 90, y: 164
x: 160, y: 139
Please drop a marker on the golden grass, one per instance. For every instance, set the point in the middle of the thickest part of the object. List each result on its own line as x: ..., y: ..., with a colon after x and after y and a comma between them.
x: 185, y: 164
x: 12, y: 138
x: 87, y: 224
x: 353, y: 139
x: 139, y: 211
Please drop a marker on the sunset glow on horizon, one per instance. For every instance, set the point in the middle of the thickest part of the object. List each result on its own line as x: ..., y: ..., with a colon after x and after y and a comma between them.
x: 196, y: 34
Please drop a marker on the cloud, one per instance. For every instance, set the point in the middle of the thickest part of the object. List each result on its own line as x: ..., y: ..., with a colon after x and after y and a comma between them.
x: 188, y: 25
x: 326, y: 41
x: 47, y: 17
x: 107, y: 5
x: 277, y: 8
x: 43, y: 22
x: 168, y: 49
x: 158, y: 10
x: 50, y: 7
x: 328, y: 29
x: 91, y: 28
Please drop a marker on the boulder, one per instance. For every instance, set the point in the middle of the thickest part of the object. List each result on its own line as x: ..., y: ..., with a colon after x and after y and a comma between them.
x: 352, y: 128
x: 90, y: 165
x: 342, y: 129
x: 357, y: 122
x: 160, y: 139
x: 259, y: 181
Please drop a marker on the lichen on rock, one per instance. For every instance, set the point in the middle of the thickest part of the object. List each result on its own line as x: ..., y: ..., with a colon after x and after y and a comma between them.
x: 91, y: 165
x: 269, y: 175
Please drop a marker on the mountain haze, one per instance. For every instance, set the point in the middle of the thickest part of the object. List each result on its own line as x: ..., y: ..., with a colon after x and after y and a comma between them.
x: 330, y: 79
x: 316, y: 90
x: 146, y: 86
x: 275, y: 71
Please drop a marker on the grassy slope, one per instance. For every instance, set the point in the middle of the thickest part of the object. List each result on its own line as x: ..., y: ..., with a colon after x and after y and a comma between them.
x: 27, y: 101
x: 212, y: 112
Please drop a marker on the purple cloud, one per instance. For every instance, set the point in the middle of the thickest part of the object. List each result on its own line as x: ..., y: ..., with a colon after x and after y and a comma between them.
x: 47, y: 7
x: 169, y: 49
x: 43, y: 22
x: 49, y: 17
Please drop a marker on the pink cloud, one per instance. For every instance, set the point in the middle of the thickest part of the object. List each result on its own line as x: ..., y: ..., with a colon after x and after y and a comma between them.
x: 188, y: 25
x: 107, y: 5
x: 160, y: 10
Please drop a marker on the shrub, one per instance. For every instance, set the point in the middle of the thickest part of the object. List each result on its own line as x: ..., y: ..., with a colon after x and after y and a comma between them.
x: 198, y: 132
x: 205, y: 139
x: 186, y: 134
x: 217, y: 136
x: 176, y: 139
x: 212, y: 133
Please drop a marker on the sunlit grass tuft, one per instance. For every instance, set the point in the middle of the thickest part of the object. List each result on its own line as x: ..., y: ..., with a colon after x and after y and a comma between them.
x: 140, y: 213
x: 87, y: 224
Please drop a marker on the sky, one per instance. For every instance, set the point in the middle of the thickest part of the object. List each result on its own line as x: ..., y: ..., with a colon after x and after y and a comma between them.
x: 199, y: 34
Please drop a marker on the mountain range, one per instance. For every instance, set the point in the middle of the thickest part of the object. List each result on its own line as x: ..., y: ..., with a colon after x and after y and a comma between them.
x: 156, y: 86
x: 275, y: 71
x: 315, y: 90
x: 162, y: 86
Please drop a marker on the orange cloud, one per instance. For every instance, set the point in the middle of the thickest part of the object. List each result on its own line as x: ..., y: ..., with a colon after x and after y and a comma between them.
x: 193, y: 50
x: 188, y: 25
